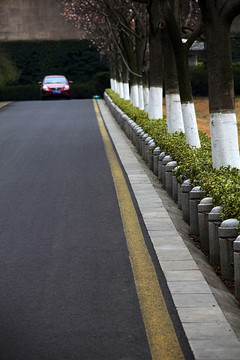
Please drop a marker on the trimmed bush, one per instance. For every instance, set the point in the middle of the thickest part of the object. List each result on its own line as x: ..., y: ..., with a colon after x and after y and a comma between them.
x: 222, y: 185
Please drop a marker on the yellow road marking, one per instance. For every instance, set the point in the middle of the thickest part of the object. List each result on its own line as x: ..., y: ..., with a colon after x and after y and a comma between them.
x: 2, y: 105
x: 162, y: 339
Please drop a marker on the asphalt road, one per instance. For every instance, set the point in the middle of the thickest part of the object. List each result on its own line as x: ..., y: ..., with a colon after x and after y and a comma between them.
x: 66, y: 286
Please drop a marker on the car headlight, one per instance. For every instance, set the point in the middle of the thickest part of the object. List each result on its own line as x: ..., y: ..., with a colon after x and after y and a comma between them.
x: 67, y: 87
x: 45, y: 87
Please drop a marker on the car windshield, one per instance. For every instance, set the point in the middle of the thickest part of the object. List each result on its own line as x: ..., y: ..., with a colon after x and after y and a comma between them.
x: 55, y: 80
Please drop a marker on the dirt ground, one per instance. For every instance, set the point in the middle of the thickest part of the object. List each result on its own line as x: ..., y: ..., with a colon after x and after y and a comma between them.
x: 202, y: 113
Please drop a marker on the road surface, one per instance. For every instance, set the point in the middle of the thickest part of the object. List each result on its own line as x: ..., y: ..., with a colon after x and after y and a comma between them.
x: 67, y: 289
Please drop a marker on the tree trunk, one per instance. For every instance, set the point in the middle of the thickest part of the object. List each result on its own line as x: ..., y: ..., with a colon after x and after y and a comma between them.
x: 131, y: 61
x: 223, y: 124
x: 140, y: 53
x: 181, y: 57
x: 172, y: 96
x: 156, y: 63
x: 125, y: 76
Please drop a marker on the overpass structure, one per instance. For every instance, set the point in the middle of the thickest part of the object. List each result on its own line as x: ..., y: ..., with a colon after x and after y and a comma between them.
x: 34, y: 20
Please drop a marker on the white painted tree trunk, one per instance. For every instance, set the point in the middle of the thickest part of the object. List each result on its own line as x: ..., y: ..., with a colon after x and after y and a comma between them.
x: 126, y: 91
x: 224, y: 140
x: 174, y: 113
x: 190, y: 124
x: 146, y: 98
x: 121, y: 92
x: 117, y: 87
x: 112, y: 84
x: 155, y: 103
x: 140, y: 95
x: 134, y: 95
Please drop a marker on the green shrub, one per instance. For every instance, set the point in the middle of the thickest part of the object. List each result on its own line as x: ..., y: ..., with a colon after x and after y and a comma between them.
x: 9, y: 73
x: 222, y: 185
x: 19, y: 93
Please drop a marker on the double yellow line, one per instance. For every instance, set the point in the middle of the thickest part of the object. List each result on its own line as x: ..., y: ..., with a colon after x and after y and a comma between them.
x: 162, y: 339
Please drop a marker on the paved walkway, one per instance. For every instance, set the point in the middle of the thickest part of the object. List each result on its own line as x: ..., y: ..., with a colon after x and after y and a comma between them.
x: 209, y: 313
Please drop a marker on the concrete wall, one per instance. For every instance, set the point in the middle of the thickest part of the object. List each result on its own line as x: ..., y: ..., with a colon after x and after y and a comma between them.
x: 34, y: 19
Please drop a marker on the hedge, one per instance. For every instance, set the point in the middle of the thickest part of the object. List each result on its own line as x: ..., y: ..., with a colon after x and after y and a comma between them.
x: 222, y: 185
x: 76, y: 59
x: 79, y: 91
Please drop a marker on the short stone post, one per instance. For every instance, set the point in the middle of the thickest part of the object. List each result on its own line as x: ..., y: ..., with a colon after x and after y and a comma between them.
x: 214, y: 221
x: 151, y: 147
x: 204, y: 208
x: 186, y: 188
x: 228, y: 232
x: 165, y: 161
x: 195, y: 197
x: 129, y: 122
x: 139, y: 131
x: 132, y: 127
x: 144, y: 137
x: 124, y: 122
x: 236, y: 258
x: 160, y: 159
x: 174, y: 187
x: 169, y: 176
x: 140, y: 142
x: 136, y: 128
x: 156, y: 153
x: 147, y: 141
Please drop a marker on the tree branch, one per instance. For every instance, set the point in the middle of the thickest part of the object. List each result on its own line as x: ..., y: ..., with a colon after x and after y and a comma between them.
x: 120, y: 51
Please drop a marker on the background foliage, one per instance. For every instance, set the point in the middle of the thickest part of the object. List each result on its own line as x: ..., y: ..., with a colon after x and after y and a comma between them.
x: 24, y: 63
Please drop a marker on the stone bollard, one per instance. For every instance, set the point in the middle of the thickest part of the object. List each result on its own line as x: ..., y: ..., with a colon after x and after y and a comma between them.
x: 186, y: 188
x: 179, y: 187
x: 195, y: 197
x: 160, y: 159
x: 214, y: 221
x: 129, y: 122
x: 156, y: 153
x: 204, y: 208
x: 174, y: 186
x: 138, y: 132
x: 147, y: 142
x: 151, y: 147
x: 120, y: 113
x: 169, y: 176
x: 140, y: 142
x: 132, y: 127
x: 236, y: 259
x: 165, y: 161
x: 144, y: 137
x: 135, y: 129
x: 228, y: 232
x: 124, y: 122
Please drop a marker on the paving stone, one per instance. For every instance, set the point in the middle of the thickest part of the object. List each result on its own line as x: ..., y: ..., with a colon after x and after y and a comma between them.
x: 189, y: 287
x: 193, y: 300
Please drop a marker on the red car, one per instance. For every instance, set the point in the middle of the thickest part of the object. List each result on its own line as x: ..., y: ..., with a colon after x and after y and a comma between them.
x: 55, y: 86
